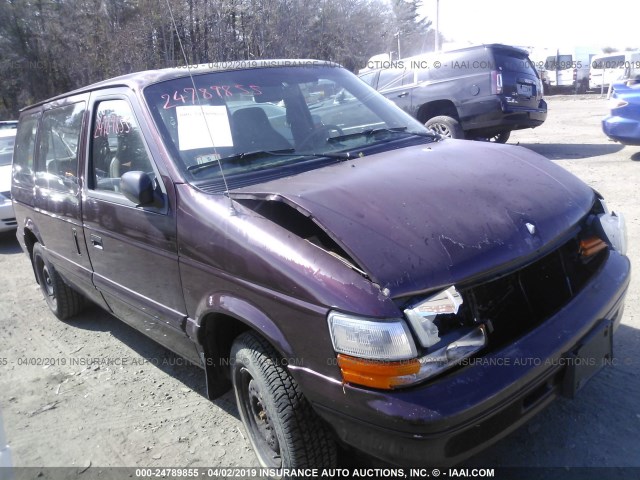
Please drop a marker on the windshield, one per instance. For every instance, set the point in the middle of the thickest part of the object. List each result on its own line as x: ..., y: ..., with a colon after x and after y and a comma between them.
x: 602, y: 63
x: 256, y: 122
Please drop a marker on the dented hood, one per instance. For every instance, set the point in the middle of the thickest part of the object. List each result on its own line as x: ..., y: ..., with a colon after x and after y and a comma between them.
x: 433, y: 215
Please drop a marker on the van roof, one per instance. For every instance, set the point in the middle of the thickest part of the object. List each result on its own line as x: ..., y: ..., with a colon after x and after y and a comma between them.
x: 617, y: 54
x: 139, y: 80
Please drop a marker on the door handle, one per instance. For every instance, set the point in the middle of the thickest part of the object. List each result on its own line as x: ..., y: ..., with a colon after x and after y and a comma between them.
x: 75, y: 240
x: 403, y: 94
x: 96, y: 241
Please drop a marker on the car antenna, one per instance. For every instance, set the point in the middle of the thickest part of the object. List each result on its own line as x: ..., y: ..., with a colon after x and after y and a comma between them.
x: 232, y: 209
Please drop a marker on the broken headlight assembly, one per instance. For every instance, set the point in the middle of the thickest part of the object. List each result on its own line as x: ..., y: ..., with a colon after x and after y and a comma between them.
x: 611, y: 227
x: 382, y: 354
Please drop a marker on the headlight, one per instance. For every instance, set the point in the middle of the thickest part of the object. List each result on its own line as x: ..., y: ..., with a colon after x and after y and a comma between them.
x: 452, y: 353
x: 612, y: 227
x: 381, y: 353
x: 366, y: 338
x: 373, y: 353
x: 447, y: 339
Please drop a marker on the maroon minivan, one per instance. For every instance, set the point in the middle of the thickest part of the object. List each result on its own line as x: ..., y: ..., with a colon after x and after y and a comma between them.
x: 356, y: 279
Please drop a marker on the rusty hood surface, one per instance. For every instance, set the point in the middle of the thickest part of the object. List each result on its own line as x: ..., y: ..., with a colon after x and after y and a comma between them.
x: 429, y: 216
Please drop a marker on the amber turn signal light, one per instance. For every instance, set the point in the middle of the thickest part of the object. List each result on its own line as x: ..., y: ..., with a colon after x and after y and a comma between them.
x: 592, y: 245
x: 376, y: 374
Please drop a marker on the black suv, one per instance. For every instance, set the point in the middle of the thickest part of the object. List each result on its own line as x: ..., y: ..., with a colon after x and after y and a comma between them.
x: 481, y: 92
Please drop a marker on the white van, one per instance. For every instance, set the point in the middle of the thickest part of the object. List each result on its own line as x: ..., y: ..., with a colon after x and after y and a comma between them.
x: 611, y: 67
x: 569, y: 69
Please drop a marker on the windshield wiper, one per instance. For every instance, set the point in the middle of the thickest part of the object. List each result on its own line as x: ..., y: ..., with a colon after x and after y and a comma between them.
x: 374, y: 131
x: 288, y: 152
x: 238, y: 157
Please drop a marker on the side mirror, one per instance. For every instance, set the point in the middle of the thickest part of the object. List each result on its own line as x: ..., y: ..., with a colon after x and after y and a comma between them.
x: 138, y: 187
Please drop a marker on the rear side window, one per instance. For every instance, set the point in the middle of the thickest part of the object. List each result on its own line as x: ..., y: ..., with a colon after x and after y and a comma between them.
x: 117, y: 145
x: 58, y: 147
x: 25, y: 151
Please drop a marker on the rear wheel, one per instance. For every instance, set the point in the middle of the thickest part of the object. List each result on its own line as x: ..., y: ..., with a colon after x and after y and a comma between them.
x: 500, y: 137
x: 497, y: 138
x: 446, y: 126
x: 582, y: 87
x: 283, y: 429
x: 63, y: 300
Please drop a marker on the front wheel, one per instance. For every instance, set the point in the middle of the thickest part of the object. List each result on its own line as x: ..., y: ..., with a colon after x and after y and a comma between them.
x: 283, y: 429
x: 62, y: 300
x: 446, y: 126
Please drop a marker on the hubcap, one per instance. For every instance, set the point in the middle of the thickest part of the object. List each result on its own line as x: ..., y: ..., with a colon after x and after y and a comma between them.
x: 47, y: 281
x: 441, y: 129
x: 46, y: 285
x: 259, y: 423
x: 261, y: 418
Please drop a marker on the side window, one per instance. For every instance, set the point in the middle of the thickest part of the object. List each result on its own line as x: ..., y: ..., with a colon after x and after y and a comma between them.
x: 117, y: 145
x: 390, y: 78
x: 369, y: 78
x: 59, y: 140
x: 25, y: 150
x: 409, y: 78
x: 424, y: 75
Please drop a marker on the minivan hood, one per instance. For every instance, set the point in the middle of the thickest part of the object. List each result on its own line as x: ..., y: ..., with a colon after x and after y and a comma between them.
x: 430, y: 216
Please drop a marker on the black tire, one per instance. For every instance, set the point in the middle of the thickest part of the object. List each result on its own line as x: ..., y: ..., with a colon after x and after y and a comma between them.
x: 63, y: 300
x: 582, y: 87
x: 498, y: 138
x: 283, y: 429
x: 501, y: 137
x: 445, y: 126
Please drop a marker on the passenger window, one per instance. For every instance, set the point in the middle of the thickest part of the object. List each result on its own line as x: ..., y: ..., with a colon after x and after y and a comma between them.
x: 390, y: 78
x: 424, y: 75
x: 368, y: 78
x: 408, y: 78
x: 25, y: 150
x: 57, y: 166
x: 117, y: 145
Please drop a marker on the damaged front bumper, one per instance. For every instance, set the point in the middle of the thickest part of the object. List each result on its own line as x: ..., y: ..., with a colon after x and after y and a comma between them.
x: 459, y: 414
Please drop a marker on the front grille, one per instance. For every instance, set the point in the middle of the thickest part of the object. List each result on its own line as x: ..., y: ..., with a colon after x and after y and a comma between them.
x: 518, y: 302
x: 9, y: 222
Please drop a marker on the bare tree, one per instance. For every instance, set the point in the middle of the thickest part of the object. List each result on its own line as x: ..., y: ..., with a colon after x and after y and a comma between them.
x: 48, y: 47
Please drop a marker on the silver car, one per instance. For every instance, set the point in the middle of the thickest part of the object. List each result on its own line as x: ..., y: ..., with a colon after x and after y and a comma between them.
x: 7, y: 217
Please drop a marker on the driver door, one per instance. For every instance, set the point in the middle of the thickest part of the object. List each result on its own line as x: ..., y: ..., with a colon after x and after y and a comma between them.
x: 133, y: 249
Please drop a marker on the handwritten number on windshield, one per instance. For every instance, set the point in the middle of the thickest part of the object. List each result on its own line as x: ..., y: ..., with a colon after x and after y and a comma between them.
x: 178, y: 98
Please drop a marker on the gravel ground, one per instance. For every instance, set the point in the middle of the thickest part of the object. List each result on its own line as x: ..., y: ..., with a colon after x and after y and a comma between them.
x: 147, y: 408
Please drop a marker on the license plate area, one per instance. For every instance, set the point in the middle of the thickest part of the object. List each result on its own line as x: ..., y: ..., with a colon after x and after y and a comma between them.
x: 524, y: 89
x: 593, y: 352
